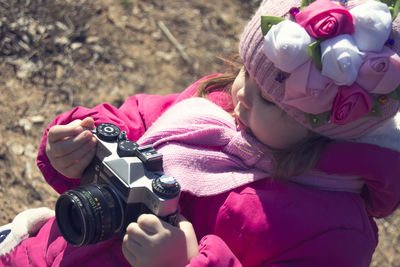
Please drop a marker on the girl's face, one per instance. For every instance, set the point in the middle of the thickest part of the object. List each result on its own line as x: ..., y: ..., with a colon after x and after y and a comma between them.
x: 257, y: 114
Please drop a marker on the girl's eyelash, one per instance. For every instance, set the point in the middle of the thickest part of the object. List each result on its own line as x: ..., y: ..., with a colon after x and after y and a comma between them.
x: 266, y: 100
x: 246, y: 73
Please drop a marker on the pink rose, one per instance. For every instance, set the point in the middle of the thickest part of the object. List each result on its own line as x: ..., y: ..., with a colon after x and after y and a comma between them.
x: 308, y: 90
x: 323, y: 19
x: 379, y: 73
x: 350, y: 104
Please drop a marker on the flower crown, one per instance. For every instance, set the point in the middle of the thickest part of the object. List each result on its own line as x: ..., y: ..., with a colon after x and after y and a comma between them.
x: 340, y: 62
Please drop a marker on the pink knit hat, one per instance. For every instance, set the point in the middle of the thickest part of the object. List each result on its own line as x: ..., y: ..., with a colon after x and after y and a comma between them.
x: 334, y: 66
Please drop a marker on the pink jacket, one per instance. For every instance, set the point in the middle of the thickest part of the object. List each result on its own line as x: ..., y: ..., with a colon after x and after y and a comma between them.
x: 263, y: 223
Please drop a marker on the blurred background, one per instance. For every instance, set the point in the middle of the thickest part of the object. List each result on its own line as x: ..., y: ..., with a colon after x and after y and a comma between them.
x: 58, y: 54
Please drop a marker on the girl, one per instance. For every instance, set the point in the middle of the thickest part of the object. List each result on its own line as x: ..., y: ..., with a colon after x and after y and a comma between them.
x: 294, y: 178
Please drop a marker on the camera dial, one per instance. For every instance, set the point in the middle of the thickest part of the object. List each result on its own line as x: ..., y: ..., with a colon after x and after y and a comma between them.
x: 127, y: 148
x: 107, y: 132
x: 165, y: 186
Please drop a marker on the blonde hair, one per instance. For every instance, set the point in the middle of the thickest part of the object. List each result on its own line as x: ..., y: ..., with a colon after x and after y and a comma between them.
x: 288, y: 162
x: 298, y: 158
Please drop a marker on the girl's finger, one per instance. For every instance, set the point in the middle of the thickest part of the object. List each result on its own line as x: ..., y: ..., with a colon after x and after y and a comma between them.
x: 190, y: 235
x: 129, y: 251
x: 77, y: 160
x: 183, y: 223
x: 87, y: 123
x: 77, y: 169
x: 60, y: 132
x: 62, y: 148
x: 74, y: 156
x: 132, y: 246
x: 137, y: 234
x: 149, y: 223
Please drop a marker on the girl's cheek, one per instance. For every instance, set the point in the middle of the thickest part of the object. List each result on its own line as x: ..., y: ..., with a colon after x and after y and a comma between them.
x: 234, y: 92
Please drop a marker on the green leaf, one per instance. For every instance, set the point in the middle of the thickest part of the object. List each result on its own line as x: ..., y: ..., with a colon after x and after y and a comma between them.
x: 393, y: 5
x: 376, y: 110
x: 305, y: 3
x: 395, y: 10
x: 314, y: 50
x: 268, y: 21
x: 318, y: 119
x: 395, y: 94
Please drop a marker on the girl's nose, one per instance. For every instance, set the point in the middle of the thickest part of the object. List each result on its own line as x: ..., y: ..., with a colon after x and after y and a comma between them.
x: 243, y: 98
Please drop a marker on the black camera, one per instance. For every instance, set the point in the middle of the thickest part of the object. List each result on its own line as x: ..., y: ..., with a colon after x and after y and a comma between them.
x: 123, y: 181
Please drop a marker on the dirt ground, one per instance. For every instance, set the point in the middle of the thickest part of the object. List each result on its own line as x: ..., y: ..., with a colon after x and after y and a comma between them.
x: 58, y: 54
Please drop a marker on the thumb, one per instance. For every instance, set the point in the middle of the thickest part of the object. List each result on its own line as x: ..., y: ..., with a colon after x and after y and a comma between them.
x: 191, y: 239
x: 183, y: 223
x: 87, y: 123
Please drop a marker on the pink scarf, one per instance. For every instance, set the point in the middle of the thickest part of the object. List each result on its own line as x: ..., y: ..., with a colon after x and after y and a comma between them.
x: 207, y: 155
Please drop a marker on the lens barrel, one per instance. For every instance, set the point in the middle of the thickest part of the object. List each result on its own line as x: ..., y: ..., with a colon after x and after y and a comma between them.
x: 89, y: 214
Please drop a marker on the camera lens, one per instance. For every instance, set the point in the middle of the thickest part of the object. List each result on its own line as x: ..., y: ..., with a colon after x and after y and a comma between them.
x: 75, y: 220
x: 89, y: 214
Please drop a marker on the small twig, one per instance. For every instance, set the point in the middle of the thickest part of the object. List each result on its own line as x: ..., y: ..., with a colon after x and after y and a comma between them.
x: 175, y: 42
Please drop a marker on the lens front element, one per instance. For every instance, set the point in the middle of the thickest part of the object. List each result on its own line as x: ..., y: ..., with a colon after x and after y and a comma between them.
x: 88, y: 214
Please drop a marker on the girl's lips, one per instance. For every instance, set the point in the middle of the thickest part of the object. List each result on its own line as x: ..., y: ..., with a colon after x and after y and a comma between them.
x: 241, y: 125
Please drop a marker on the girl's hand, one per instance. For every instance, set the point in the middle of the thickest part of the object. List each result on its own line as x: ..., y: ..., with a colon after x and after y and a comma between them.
x: 70, y: 148
x: 153, y: 242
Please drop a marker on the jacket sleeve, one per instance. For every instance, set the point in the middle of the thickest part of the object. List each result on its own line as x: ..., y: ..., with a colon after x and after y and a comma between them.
x: 213, y: 251
x: 134, y: 116
x: 380, y: 168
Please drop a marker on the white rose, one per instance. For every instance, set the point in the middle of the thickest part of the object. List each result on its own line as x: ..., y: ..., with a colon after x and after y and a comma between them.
x: 372, y: 24
x: 286, y: 45
x: 341, y: 59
